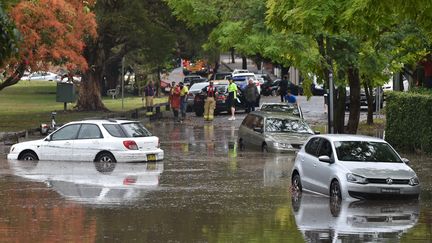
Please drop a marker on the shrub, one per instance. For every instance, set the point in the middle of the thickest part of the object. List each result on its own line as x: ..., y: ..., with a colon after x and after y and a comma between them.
x: 409, y: 121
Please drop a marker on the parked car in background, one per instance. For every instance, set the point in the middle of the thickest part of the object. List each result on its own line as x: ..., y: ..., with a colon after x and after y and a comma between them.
x: 189, y: 80
x: 377, y: 94
x: 273, y: 132
x: 221, y: 100
x: 93, y: 140
x: 42, y: 76
x: 194, y: 90
x: 221, y: 76
x: 270, y: 88
x: 237, y: 77
x: 353, y: 167
x: 317, y: 89
x: 264, y: 76
x: 283, y: 107
x: 238, y: 71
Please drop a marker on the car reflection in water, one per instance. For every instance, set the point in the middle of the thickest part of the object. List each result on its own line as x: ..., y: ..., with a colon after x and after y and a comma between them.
x: 93, y: 182
x: 323, y: 220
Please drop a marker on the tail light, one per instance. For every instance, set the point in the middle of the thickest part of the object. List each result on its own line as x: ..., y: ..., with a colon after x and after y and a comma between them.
x: 221, y: 97
x: 130, y: 144
x: 129, y: 180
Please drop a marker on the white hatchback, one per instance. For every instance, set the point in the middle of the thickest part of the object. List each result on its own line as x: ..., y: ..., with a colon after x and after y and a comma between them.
x: 93, y: 140
x: 353, y: 166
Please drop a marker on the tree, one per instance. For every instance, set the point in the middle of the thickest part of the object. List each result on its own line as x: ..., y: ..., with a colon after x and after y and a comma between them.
x: 53, y: 33
x: 9, y: 38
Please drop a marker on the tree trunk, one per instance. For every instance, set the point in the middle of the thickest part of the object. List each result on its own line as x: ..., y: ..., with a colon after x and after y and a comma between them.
x: 339, y: 110
x: 369, y: 97
x: 15, y: 77
x: 89, y: 98
x: 232, y: 51
x: 354, y: 115
x: 244, y: 62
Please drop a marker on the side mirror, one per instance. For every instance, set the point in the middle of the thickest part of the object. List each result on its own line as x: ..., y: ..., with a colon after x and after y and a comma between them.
x: 48, y: 138
x: 325, y: 158
x: 258, y: 129
x: 405, y: 160
x: 317, y: 132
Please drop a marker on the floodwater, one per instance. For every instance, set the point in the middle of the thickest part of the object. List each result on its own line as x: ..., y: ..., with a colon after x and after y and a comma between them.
x: 204, y: 191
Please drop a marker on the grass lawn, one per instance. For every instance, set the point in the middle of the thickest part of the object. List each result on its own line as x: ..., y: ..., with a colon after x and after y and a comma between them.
x: 27, y: 104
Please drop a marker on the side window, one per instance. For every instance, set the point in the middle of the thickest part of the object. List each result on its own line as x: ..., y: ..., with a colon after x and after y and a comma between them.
x: 312, y: 146
x: 259, y: 122
x: 325, y: 148
x: 249, y: 121
x: 66, y: 133
x: 89, y: 131
x: 114, y: 130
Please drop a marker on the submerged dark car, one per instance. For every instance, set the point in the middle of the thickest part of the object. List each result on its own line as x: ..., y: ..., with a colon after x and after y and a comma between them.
x: 271, y: 88
x: 221, y: 100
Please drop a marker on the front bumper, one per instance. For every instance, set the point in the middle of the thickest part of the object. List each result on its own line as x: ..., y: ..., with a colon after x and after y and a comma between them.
x: 382, y: 191
x: 12, y: 156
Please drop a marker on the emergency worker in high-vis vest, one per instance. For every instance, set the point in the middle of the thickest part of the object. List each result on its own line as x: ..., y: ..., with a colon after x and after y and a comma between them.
x: 210, y: 102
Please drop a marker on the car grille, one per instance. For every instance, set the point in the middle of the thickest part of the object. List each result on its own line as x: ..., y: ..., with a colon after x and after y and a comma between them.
x: 384, y: 181
x: 296, y: 146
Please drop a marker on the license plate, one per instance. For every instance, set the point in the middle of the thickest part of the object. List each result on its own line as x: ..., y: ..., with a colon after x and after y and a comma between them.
x: 390, y: 190
x: 151, y: 157
x: 151, y: 166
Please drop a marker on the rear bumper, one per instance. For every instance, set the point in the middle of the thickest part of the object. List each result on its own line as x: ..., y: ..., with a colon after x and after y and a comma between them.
x: 138, y: 156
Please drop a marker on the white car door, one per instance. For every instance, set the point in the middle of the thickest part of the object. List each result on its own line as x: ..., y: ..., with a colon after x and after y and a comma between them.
x: 88, y: 143
x: 60, y: 145
x: 308, y: 161
x: 324, y: 169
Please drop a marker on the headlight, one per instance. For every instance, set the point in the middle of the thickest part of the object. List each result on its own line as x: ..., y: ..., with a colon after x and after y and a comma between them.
x: 283, y: 145
x: 414, y: 181
x: 356, y: 178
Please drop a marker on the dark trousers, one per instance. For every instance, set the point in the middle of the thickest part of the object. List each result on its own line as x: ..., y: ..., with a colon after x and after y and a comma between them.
x: 282, y: 95
x: 250, y: 106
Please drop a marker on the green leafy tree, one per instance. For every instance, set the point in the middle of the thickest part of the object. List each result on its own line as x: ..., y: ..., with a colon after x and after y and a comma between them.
x: 8, y: 38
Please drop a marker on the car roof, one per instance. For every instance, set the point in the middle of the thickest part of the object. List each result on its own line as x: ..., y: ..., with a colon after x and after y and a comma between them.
x: 349, y: 137
x: 103, y: 121
x: 278, y: 103
x: 280, y: 115
x: 198, y: 86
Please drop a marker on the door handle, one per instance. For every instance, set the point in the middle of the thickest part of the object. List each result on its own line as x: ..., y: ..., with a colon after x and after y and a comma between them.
x: 67, y: 143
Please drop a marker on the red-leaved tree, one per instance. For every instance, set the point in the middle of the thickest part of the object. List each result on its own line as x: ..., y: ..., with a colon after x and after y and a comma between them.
x: 53, y: 33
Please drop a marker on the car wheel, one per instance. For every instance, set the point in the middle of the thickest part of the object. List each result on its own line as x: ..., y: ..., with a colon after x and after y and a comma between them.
x: 29, y: 156
x: 105, y: 162
x: 273, y: 93
x: 105, y: 157
x: 296, y: 183
x: 335, y: 190
x: 335, y: 206
x: 199, y: 113
x: 264, y: 148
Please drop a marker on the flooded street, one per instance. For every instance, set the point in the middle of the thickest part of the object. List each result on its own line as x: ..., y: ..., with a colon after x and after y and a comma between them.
x: 205, y: 190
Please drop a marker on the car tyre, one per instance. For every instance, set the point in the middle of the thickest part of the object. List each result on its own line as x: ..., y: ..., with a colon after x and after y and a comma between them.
x: 29, y: 155
x: 335, y: 190
x: 105, y: 163
x: 264, y: 148
x: 296, y: 183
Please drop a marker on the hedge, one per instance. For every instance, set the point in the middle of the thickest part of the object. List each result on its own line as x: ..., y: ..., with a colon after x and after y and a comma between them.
x: 409, y: 121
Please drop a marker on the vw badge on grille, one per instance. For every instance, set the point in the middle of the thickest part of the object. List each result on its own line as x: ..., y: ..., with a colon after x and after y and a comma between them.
x: 389, y: 181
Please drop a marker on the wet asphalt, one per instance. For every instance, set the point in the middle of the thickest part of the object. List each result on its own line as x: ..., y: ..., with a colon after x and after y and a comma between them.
x: 205, y: 190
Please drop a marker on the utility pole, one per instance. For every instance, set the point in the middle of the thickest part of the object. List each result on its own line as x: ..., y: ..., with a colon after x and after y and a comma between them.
x: 122, y: 82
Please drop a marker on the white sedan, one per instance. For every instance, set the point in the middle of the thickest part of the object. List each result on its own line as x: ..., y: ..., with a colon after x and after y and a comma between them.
x: 93, y: 140
x: 353, y: 167
x: 42, y: 76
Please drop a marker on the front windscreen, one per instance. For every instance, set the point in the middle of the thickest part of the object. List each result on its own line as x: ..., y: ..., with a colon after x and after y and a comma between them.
x: 286, y: 125
x: 365, y: 151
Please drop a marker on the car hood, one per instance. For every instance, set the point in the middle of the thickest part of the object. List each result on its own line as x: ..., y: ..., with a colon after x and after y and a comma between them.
x: 28, y: 143
x: 298, y: 138
x: 380, y: 170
